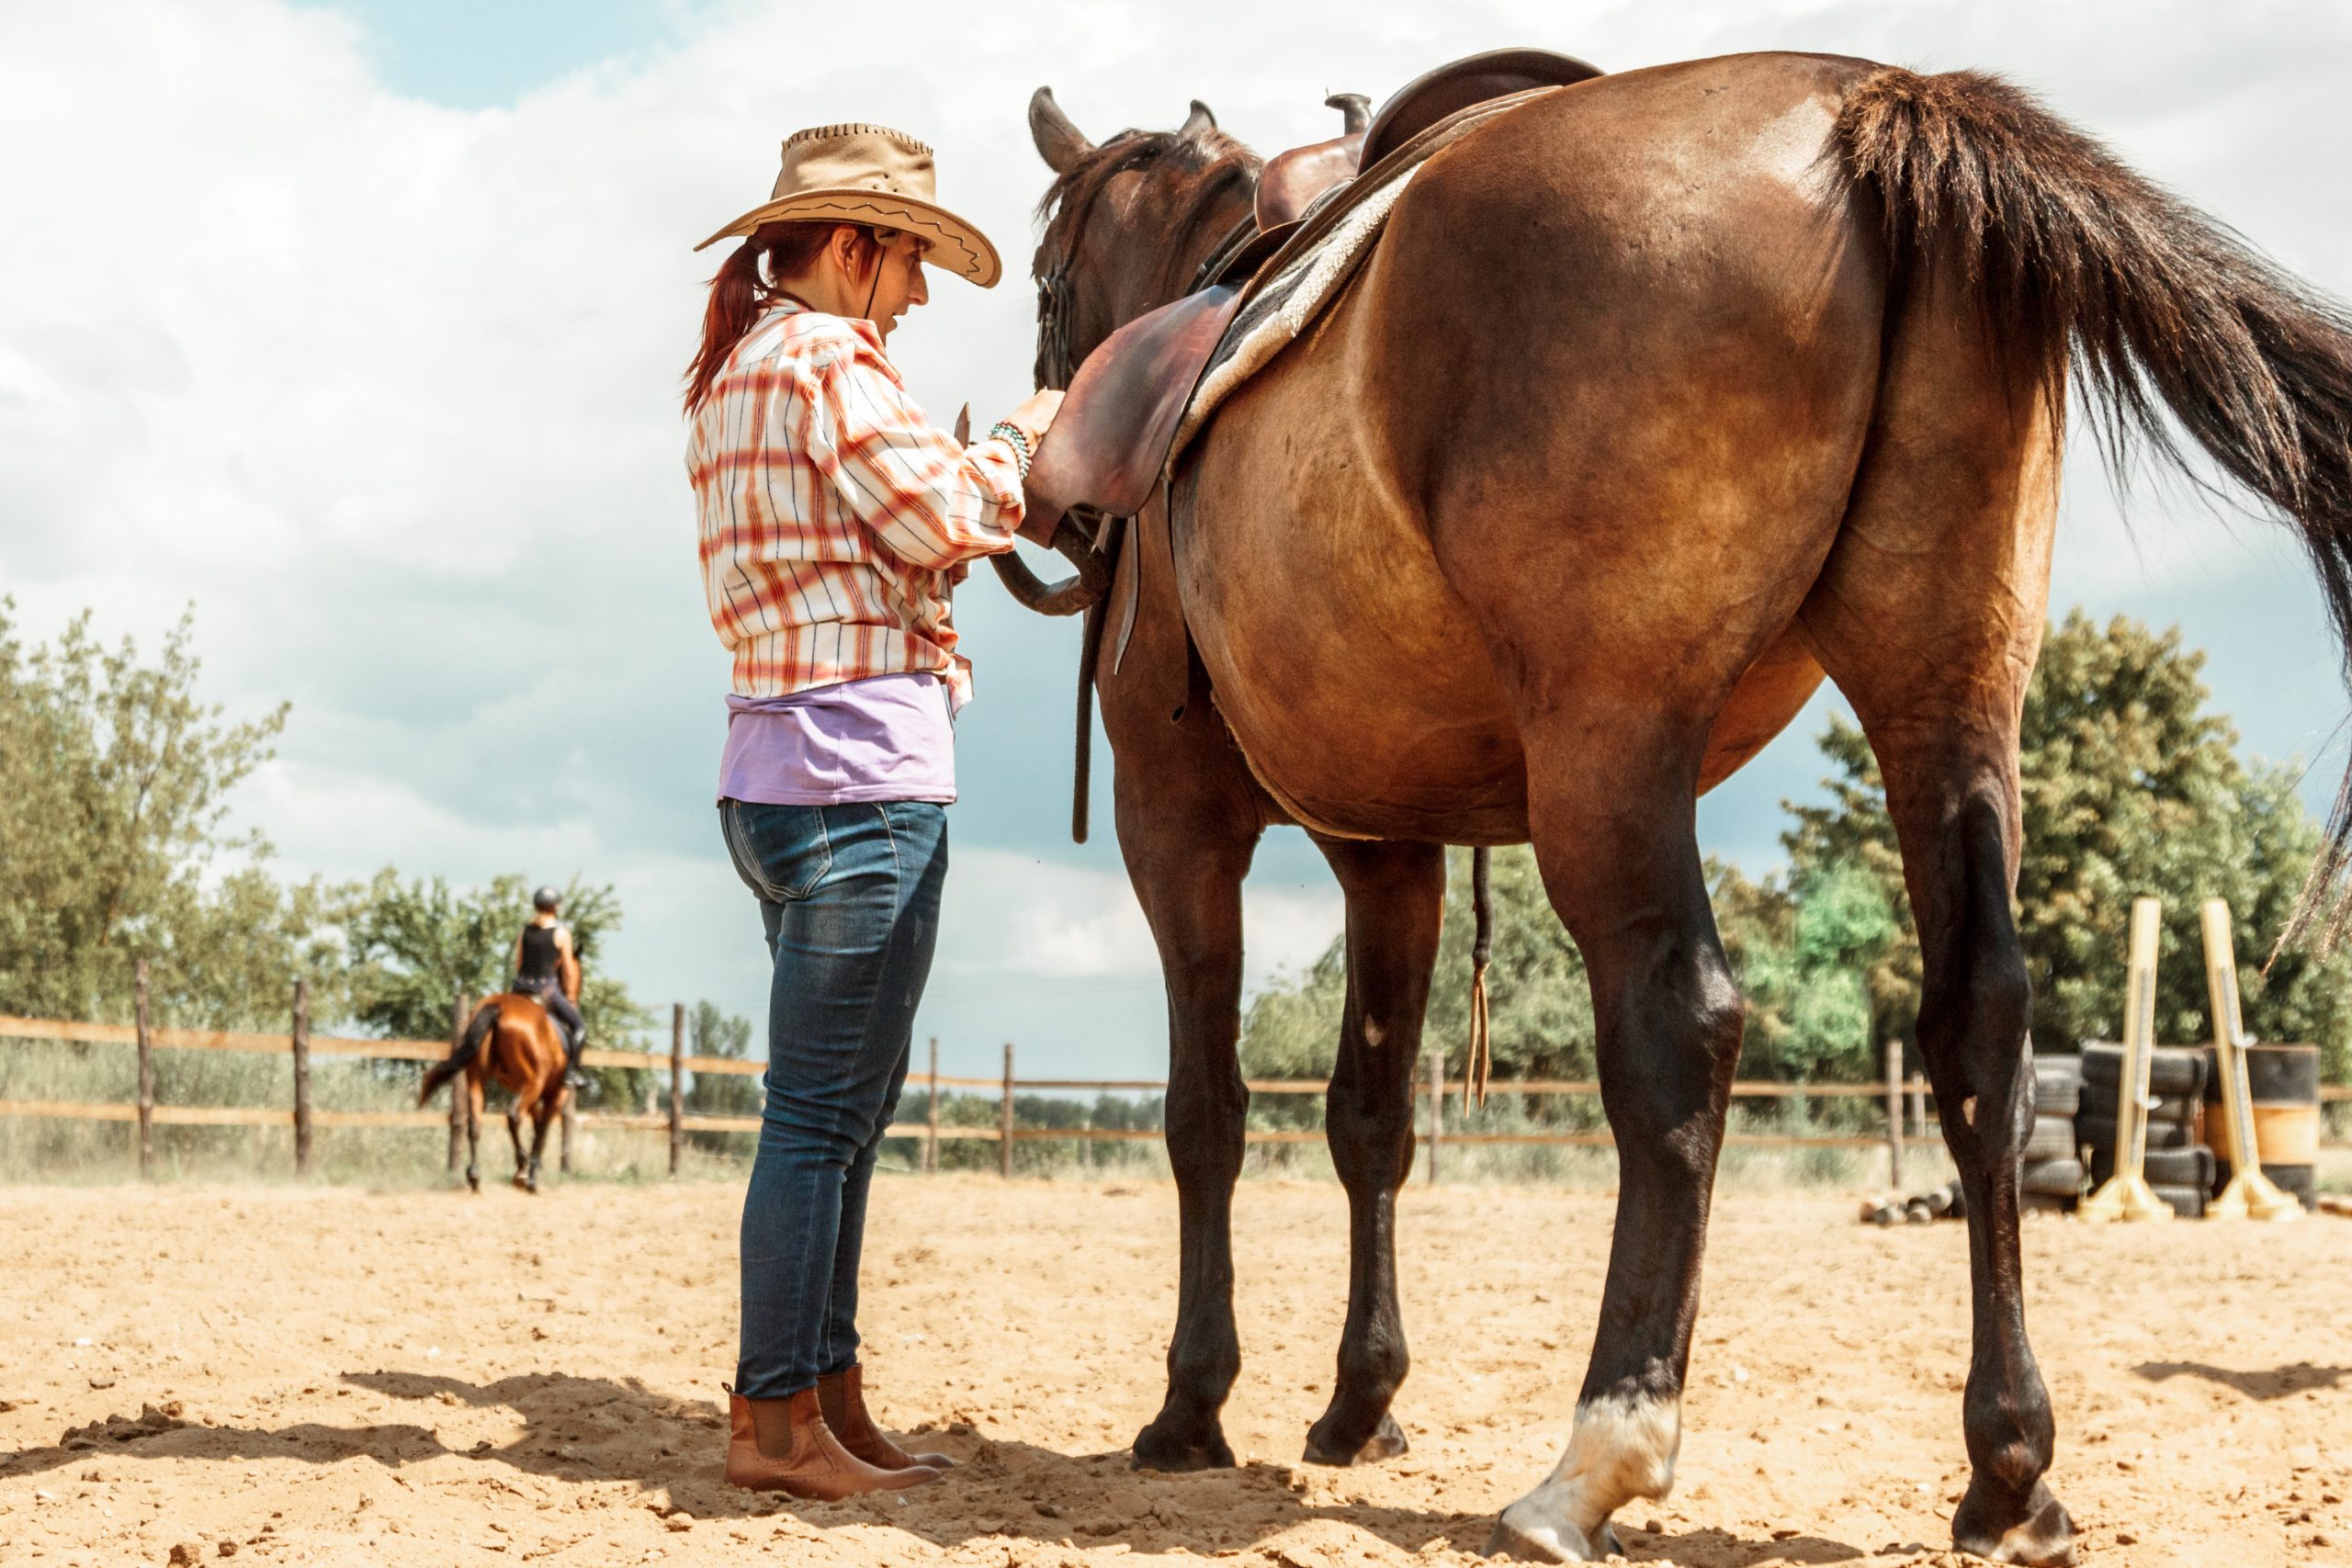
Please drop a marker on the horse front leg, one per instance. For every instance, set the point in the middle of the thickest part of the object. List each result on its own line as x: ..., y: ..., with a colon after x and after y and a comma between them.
x: 1628, y: 886
x: 1395, y: 900
x: 1187, y: 869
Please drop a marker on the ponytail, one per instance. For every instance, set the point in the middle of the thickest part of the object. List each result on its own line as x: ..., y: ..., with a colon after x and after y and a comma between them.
x: 739, y: 293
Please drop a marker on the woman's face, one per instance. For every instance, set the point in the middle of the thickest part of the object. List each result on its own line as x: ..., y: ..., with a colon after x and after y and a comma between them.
x: 900, y: 287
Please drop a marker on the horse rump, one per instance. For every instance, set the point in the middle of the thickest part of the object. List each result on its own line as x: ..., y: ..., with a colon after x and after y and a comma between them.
x: 2072, y: 256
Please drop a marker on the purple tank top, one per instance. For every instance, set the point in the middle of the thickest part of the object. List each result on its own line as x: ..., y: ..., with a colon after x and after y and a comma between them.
x: 884, y: 737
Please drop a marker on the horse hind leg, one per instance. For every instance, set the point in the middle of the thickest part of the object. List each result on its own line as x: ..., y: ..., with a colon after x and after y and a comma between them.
x: 514, y: 1136
x: 472, y: 1090
x: 1395, y: 897
x: 1928, y: 616
x: 1630, y: 887
x: 542, y: 1113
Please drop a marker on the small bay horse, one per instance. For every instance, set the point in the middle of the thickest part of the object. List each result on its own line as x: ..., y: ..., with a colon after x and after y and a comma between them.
x: 511, y: 1040
x: 1662, y: 398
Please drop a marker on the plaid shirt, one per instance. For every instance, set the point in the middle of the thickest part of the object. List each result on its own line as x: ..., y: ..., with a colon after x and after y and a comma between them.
x: 835, y: 519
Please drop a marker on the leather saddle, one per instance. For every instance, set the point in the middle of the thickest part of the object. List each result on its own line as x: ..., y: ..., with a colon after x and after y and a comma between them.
x: 1109, y: 446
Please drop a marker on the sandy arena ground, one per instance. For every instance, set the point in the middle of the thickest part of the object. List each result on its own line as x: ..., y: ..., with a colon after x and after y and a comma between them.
x: 330, y: 1377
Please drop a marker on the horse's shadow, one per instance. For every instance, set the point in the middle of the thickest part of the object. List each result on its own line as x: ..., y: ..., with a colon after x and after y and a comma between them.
x: 585, y: 1431
x: 2261, y: 1383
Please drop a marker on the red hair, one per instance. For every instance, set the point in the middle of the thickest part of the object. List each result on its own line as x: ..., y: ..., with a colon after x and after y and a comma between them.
x: 739, y: 292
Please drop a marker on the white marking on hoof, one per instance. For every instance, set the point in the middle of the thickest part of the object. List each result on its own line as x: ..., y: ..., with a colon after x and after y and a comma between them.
x: 2034, y: 1544
x: 1619, y: 1450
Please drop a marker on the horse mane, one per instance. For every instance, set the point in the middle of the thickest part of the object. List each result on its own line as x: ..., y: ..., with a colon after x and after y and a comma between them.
x: 1211, y: 161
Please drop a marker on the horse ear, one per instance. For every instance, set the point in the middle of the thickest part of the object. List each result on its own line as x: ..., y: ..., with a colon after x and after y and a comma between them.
x: 1060, y: 142
x: 1199, y: 123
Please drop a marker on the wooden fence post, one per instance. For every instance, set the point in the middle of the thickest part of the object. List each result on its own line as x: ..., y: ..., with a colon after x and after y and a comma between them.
x: 1919, y: 1108
x: 1894, y: 1114
x: 302, y: 1076
x: 458, y: 1085
x: 1004, y: 1124
x: 677, y: 1084
x: 930, y: 1117
x: 146, y: 1081
x: 1437, y: 1108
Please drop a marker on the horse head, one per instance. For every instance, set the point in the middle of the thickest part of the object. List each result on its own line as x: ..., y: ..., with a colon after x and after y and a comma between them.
x: 1128, y: 224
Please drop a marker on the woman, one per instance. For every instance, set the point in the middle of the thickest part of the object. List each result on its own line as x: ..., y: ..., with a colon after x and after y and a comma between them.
x: 835, y: 521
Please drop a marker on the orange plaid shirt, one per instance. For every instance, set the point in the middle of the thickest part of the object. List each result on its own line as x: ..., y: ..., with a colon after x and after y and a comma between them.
x: 835, y: 519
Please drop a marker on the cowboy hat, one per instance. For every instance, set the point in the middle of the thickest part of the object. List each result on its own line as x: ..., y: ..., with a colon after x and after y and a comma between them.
x: 874, y: 176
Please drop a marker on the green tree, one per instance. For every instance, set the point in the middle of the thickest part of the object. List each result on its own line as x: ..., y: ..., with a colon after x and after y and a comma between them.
x: 2129, y: 785
x: 711, y: 1031
x: 115, y: 844
x: 1812, y: 1011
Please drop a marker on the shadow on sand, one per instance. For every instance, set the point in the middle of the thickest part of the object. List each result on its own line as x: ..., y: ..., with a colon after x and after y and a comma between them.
x: 2268, y: 1382
x: 584, y: 1430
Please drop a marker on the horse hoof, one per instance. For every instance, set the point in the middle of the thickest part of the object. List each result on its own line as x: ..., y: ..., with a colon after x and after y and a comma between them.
x: 1530, y: 1540
x: 1155, y: 1449
x: 522, y: 1182
x: 1388, y: 1441
x: 2043, y: 1538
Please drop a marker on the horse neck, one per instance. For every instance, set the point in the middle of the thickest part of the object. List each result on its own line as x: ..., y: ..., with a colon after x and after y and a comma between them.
x: 1183, y: 251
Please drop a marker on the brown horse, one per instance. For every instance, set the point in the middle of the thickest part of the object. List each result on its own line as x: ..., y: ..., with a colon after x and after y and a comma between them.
x: 1662, y: 396
x: 510, y: 1039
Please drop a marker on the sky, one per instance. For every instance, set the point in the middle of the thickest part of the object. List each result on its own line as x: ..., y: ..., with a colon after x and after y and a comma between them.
x: 357, y: 326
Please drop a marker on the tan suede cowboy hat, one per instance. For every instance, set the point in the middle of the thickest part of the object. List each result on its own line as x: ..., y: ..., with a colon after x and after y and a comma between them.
x: 870, y: 175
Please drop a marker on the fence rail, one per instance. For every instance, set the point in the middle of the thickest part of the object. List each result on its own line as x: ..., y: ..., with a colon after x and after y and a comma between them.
x: 1895, y: 1092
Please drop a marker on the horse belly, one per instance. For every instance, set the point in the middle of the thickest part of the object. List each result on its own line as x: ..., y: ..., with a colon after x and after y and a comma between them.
x: 1353, y: 676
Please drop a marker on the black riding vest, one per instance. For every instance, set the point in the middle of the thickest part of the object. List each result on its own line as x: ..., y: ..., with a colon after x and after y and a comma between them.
x: 538, y: 955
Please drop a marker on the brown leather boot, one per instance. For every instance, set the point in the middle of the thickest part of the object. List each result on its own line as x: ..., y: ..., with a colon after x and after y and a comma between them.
x: 784, y: 1445
x: 843, y: 1398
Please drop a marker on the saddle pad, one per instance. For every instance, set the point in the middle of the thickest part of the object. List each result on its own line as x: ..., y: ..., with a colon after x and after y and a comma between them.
x: 1287, y: 304
x: 1305, y: 276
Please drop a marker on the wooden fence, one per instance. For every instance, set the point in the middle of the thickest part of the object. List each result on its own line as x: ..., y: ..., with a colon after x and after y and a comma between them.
x: 1895, y: 1093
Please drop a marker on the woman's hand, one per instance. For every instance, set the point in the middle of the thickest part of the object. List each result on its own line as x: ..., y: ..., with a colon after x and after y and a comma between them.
x: 1036, y: 416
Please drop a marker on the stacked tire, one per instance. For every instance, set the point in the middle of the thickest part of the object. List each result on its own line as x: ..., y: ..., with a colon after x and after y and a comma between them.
x: 2282, y: 1084
x: 2051, y: 1175
x: 2178, y: 1166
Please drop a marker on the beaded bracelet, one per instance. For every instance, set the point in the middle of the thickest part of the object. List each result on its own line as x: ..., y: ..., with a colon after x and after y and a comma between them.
x: 1012, y: 436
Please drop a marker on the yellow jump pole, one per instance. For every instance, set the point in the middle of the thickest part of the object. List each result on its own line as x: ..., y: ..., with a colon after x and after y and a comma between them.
x: 2126, y: 1195
x: 2249, y: 1194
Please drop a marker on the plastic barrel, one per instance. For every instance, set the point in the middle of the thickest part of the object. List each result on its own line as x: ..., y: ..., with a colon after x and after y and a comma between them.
x: 2283, y: 1082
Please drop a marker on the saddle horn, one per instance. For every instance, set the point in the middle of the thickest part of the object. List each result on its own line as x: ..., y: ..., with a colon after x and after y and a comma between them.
x: 1059, y: 142
x: 1355, y: 110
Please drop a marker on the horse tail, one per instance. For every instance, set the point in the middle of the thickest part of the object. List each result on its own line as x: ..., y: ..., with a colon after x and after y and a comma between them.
x: 477, y: 1030
x: 2160, y: 310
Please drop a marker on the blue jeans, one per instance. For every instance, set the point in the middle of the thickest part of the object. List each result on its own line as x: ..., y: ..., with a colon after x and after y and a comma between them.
x: 850, y: 897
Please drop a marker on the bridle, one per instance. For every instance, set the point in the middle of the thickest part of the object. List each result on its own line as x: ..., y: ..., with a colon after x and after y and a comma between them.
x: 1053, y: 367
